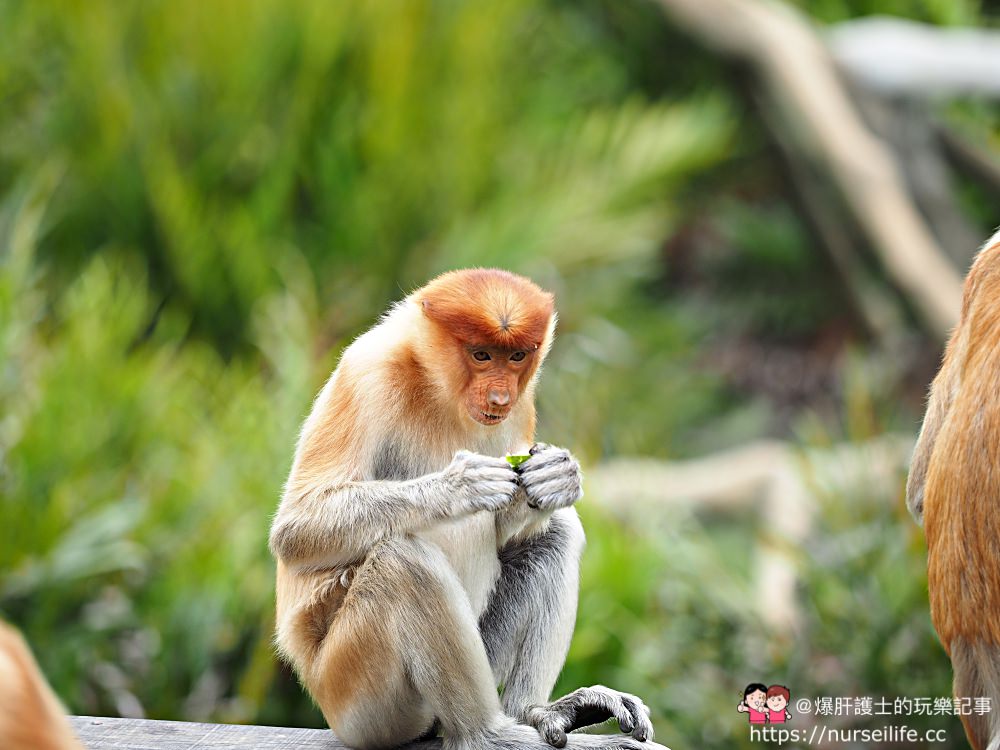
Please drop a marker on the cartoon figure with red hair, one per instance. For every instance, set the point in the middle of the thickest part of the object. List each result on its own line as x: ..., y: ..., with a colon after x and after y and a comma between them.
x: 777, y: 704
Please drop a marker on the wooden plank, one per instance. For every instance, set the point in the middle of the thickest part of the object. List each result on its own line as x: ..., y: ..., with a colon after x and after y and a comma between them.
x: 100, y: 733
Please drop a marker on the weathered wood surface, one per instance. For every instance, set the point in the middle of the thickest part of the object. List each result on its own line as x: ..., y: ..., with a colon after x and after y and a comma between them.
x: 99, y: 733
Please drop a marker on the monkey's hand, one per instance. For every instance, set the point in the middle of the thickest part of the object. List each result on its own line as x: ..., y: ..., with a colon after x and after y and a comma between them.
x: 588, y: 706
x: 479, y: 482
x: 551, y: 478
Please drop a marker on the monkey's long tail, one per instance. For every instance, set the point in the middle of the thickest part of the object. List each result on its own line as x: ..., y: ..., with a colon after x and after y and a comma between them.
x: 977, y: 675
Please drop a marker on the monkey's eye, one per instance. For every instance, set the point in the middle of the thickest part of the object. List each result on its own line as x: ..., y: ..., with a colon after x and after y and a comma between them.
x: 517, y: 356
x: 481, y: 356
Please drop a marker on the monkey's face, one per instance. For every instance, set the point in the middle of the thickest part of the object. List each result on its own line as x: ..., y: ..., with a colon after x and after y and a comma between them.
x: 496, y: 378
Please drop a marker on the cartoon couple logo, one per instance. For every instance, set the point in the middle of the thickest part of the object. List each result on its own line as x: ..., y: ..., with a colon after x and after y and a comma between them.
x: 766, y: 705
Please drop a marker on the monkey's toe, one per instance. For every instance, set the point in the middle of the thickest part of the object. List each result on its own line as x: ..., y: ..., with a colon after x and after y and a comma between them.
x: 553, y: 735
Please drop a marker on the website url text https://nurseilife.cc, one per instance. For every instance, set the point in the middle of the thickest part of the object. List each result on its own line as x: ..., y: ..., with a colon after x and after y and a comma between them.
x: 818, y: 735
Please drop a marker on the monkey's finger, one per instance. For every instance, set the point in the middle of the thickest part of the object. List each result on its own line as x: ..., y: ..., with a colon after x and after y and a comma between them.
x: 541, y: 461
x: 552, y: 502
x: 474, y: 460
x: 562, y: 469
x: 492, y: 473
x: 493, y: 498
x: 541, y: 473
x: 553, y: 734
x: 538, y: 448
x: 492, y: 464
x: 555, y: 493
x: 545, y: 458
x: 611, y: 701
x: 622, y: 715
x: 546, y: 483
x: 478, y: 461
x: 643, y: 727
x: 493, y: 487
x: 490, y: 487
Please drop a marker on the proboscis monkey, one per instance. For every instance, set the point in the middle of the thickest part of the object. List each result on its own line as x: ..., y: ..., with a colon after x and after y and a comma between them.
x: 31, y: 717
x: 954, y: 488
x: 417, y: 571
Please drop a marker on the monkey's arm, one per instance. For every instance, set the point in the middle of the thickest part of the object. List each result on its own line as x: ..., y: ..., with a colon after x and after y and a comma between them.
x: 933, y: 419
x: 942, y: 394
x: 549, y: 480
x: 336, y: 523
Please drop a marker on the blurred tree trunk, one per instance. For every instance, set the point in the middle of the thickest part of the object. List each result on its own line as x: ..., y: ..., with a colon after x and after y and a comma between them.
x: 817, y: 121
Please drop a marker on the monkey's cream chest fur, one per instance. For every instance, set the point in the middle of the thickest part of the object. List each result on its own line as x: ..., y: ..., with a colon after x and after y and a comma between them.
x: 470, y: 546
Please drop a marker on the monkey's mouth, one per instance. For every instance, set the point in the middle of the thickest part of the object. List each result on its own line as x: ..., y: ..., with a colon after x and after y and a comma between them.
x: 487, y: 418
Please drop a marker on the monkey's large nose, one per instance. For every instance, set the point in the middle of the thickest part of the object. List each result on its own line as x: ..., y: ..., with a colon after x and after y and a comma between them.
x: 498, y: 396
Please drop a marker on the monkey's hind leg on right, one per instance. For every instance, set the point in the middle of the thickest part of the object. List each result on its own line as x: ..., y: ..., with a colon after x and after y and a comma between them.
x: 954, y: 489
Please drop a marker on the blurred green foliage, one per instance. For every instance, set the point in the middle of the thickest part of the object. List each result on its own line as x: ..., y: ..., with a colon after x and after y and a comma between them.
x: 673, y: 602
x: 201, y: 203
x: 942, y: 12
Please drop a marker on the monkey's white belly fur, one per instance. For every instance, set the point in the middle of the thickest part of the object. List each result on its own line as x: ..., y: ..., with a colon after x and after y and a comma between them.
x: 471, y: 547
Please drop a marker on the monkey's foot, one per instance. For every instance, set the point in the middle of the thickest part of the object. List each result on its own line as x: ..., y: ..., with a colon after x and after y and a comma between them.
x: 510, y: 736
x: 588, y: 706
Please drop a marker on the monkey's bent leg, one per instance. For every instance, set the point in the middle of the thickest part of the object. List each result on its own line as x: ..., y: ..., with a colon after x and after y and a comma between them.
x: 527, y: 629
x: 528, y: 624
x: 402, y: 649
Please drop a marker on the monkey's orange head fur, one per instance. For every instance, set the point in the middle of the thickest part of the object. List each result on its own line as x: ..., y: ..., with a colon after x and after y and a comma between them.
x: 496, y: 327
x: 489, y: 306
